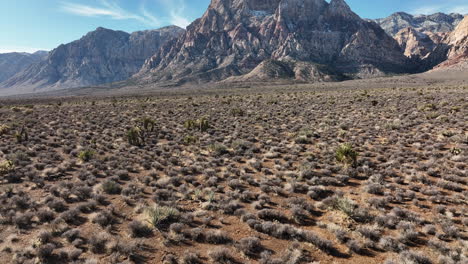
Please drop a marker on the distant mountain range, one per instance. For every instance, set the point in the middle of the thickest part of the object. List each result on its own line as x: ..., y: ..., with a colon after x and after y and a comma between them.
x: 12, y: 63
x: 101, y: 56
x: 435, y: 23
x: 248, y: 40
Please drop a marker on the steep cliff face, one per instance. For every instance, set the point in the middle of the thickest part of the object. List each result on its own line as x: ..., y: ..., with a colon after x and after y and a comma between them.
x: 101, y: 56
x: 233, y: 37
x: 435, y: 23
x: 457, y: 47
x: 12, y: 63
x: 415, y: 43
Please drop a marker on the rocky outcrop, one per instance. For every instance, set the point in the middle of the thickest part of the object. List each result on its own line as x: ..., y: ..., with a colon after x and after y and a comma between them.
x: 233, y: 37
x: 435, y: 23
x: 270, y: 70
x: 101, y: 56
x: 415, y: 43
x: 457, y: 47
x: 12, y: 63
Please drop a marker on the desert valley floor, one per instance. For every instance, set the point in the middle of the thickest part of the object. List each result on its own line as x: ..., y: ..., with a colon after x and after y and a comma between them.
x: 286, y: 175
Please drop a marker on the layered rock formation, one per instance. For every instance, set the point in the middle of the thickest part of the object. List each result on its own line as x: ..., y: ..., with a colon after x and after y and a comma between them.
x: 456, y: 44
x: 435, y: 23
x: 415, y: 43
x: 12, y: 63
x: 101, y: 56
x: 233, y: 37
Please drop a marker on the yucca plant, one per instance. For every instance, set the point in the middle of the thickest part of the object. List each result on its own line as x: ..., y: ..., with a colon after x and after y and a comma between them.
x: 190, y: 140
x: 148, y: 124
x: 86, y: 155
x: 4, y: 129
x: 21, y: 135
x: 201, y: 124
x: 135, y: 136
x: 346, y: 155
x: 6, y: 167
x: 160, y: 216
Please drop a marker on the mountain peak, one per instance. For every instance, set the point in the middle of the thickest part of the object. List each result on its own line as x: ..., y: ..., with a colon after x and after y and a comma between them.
x: 340, y: 7
x: 434, y: 23
x: 235, y: 36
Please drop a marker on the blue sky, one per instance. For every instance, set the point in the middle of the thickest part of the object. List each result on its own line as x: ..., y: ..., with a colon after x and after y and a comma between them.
x: 29, y: 25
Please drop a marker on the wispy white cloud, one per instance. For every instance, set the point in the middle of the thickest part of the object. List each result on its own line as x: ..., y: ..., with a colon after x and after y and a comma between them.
x: 111, y: 10
x: 447, y: 7
x: 174, y: 10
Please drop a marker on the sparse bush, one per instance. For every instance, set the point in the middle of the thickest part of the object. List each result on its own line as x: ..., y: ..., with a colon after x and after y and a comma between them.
x: 414, y: 257
x: 217, y: 237
x: 97, y: 243
x: 270, y: 214
x: 44, y: 252
x: 250, y: 246
x: 191, y: 258
x: 111, y: 187
x: 190, y: 140
x: 71, y: 234
x: 348, y: 207
x: 218, y: 149
x: 45, y: 215
x: 103, y: 218
x: 139, y: 229
x: 221, y: 255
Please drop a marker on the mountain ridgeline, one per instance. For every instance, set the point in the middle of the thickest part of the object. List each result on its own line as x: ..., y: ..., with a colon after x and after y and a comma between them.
x: 101, y: 56
x: 12, y: 63
x: 234, y: 37
x: 248, y: 40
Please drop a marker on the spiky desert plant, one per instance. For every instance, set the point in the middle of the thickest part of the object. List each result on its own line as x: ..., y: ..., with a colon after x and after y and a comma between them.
x: 201, y: 124
x: 148, y: 124
x: 136, y: 136
x: 190, y: 140
x: 346, y: 155
x: 4, y: 129
x: 21, y: 135
x: 6, y: 167
x: 86, y: 155
x: 159, y: 216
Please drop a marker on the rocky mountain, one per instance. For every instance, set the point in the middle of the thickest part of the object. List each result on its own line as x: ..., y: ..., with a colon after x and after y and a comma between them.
x: 456, y: 45
x: 296, y: 38
x: 101, y: 56
x: 417, y: 44
x: 12, y: 63
x: 435, y: 23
